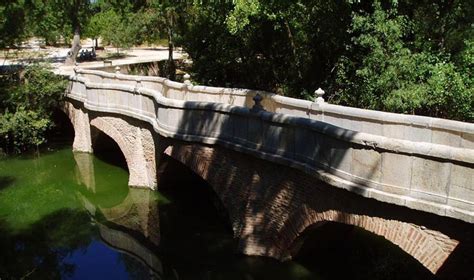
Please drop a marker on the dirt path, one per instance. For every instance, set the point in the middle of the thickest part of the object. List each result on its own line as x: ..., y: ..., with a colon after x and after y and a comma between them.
x: 56, y: 57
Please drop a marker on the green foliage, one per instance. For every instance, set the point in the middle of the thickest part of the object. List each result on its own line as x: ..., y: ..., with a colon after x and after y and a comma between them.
x: 380, y: 71
x: 406, y: 56
x: 28, y: 102
x: 403, y: 56
x: 238, y: 18
x: 114, y: 29
x: 12, y: 23
x: 281, y: 46
x: 23, y: 128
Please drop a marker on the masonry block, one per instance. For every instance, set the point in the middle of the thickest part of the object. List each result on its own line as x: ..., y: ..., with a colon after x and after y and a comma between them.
x: 430, y: 176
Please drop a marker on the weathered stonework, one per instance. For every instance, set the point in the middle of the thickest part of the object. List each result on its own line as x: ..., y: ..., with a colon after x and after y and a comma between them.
x: 270, y: 211
x: 280, y: 174
x: 137, y: 145
x: 394, y: 158
x: 80, y: 121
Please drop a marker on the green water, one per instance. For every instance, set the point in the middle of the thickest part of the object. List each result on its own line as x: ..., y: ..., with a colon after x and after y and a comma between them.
x: 72, y: 216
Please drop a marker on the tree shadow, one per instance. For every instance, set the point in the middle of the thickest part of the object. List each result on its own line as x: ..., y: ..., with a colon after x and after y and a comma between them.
x: 40, y: 250
x: 6, y: 181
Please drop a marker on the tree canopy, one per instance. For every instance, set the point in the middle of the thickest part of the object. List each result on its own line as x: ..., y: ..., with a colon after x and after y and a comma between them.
x: 403, y: 56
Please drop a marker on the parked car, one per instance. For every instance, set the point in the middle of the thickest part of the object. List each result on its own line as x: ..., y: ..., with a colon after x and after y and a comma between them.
x: 87, y: 53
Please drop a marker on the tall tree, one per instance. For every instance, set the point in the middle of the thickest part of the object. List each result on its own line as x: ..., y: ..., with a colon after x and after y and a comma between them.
x: 78, y: 12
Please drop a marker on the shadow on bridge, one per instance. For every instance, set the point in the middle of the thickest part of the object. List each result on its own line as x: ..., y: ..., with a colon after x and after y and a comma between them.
x: 271, y: 205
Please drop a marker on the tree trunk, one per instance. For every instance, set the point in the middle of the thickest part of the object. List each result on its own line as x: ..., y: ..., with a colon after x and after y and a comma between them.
x: 293, y: 48
x: 171, y: 66
x: 96, y: 43
x: 76, y: 47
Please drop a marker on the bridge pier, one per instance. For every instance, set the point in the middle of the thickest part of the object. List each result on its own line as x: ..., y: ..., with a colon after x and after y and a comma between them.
x: 135, y: 140
x: 137, y: 145
x: 79, y: 118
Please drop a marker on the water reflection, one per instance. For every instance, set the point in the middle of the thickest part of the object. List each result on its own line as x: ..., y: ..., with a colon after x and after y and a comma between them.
x: 174, y: 234
x: 72, y: 216
x: 131, y: 226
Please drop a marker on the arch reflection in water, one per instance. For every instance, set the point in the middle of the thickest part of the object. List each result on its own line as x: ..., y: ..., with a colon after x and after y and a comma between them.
x: 186, y: 236
x: 130, y: 226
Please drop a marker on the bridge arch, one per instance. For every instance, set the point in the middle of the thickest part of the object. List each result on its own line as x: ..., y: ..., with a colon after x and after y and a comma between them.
x: 203, y: 162
x: 270, y: 211
x: 137, y: 146
x: 430, y: 248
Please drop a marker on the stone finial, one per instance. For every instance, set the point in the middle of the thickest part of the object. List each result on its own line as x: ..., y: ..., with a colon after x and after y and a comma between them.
x: 319, y: 95
x: 257, y: 107
x: 117, y: 70
x: 187, y: 79
x: 138, y: 85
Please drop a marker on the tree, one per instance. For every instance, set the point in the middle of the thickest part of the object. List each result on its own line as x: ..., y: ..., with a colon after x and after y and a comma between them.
x: 380, y: 71
x: 47, y: 19
x: 287, y: 47
x: 165, y: 18
x: 78, y: 12
x: 12, y: 23
x: 28, y: 100
x: 401, y: 56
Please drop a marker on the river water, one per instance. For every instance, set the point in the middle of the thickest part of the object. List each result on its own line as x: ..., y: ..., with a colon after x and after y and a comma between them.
x: 72, y: 216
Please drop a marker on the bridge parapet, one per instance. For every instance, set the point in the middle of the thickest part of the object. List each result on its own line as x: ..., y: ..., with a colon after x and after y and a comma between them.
x: 417, y: 162
x: 399, y: 126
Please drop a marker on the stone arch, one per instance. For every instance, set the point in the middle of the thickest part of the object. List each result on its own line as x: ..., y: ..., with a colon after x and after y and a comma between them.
x: 137, y: 146
x: 430, y: 248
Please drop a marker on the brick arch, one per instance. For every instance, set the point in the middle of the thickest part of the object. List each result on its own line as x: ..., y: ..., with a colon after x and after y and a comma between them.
x: 202, y: 162
x: 270, y: 207
x: 137, y: 146
x: 430, y: 248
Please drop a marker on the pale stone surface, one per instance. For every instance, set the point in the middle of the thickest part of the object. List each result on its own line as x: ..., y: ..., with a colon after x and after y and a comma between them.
x: 447, y: 138
x: 467, y: 141
x: 80, y: 122
x: 366, y: 164
x: 137, y: 146
x: 272, y: 197
x: 418, y: 134
x: 394, y: 130
x: 398, y: 174
x: 430, y: 176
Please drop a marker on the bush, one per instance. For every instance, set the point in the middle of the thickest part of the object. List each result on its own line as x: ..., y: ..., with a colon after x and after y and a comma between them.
x: 29, y: 98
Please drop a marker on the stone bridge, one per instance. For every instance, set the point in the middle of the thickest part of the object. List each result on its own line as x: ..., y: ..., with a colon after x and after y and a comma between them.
x: 283, y: 166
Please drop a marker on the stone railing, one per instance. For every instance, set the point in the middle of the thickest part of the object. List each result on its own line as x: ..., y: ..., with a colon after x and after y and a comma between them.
x: 400, y: 126
x: 417, y: 162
